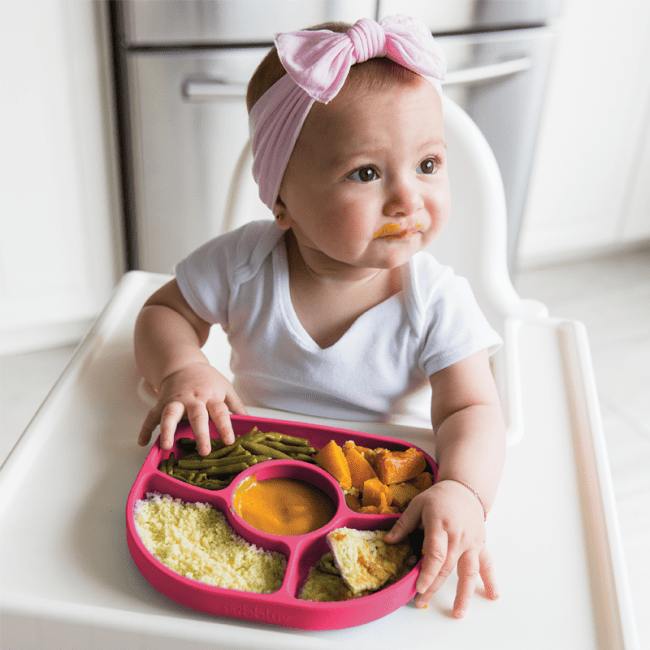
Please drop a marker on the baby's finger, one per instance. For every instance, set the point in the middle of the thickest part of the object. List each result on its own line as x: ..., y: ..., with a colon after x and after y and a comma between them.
x: 234, y: 403
x: 220, y: 415
x: 171, y: 416
x: 488, y: 575
x: 149, y: 425
x: 405, y: 524
x: 198, y: 417
x: 453, y: 555
x: 435, y: 554
x: 468, y: 571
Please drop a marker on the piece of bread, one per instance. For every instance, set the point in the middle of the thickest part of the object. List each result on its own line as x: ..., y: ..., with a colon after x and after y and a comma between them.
x: 324, y: 583
x: 365, y: 561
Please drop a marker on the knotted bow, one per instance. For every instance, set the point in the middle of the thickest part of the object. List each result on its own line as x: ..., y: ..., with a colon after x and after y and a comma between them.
x: 317, y: 64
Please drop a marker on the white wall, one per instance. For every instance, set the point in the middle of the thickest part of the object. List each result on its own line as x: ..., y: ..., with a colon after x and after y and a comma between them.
x: 589, y: 190
x: 60, y: 250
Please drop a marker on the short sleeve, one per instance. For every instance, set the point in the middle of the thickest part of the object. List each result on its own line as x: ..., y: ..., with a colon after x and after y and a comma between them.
x: 453, y: 325
x: 209, y: 275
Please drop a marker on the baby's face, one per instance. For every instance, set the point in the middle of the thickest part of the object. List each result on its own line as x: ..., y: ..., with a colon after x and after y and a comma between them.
x: 366, y: 185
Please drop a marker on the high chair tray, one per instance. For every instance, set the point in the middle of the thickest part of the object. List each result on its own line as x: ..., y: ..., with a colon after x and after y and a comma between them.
x: 69, y: 582
x: 282, y: 607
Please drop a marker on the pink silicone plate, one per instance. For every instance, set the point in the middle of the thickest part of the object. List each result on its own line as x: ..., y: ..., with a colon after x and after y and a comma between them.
x: 302, y: 551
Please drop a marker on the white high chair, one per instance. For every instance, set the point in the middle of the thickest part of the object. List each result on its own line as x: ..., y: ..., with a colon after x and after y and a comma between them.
x: 553, y: 531
x: 473, y: 243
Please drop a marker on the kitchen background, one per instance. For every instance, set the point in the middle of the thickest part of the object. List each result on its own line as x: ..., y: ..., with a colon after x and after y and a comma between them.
x: 583, y: 246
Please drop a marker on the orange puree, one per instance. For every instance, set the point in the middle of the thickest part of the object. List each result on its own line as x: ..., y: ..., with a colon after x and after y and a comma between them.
x: 395, y: 231
x: 386, y: 229
x: 282, y: 506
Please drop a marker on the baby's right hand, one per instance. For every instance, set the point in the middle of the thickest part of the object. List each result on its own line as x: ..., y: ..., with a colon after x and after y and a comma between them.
x: 204, y: 393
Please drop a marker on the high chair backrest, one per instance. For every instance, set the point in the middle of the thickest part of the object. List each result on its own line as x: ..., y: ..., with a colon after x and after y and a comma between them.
x: 474, y: 241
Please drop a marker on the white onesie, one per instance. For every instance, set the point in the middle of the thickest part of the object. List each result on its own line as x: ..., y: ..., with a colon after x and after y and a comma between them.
x: 241, y: 281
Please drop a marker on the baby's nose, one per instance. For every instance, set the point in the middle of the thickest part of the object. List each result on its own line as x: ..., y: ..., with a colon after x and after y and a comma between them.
x: 403, y: 199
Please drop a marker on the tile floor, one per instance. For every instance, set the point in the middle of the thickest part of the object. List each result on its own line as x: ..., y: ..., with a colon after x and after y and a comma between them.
x: 610, y: 295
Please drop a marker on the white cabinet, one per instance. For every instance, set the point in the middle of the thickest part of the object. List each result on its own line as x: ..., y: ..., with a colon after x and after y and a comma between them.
x: 589, y: 189
x: 60, y: 250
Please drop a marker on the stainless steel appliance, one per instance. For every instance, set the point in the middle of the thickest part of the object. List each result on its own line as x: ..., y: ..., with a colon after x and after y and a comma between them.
x: 182, y: 68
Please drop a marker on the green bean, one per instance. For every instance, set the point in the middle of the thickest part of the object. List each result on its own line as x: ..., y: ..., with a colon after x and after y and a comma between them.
x: 215, y: 484
x: 187, y: 444
x: 196, y: 463
x: 238, y: 451
x: 290, y: 449
x: 246, y: 436
x: 253, y: 460
x: 167, y: 465
x: 303, y: 457
x: 262, y: 450
x: 226, y: 461
x: 185, y: 479
x: 254, y: 435
x: 219, y: 449
x: 204, y: 463
x: 260, y: 459
x: 181, y: 471
x: 234, y: 468
x: 219, y: 453
x: 226, y: 450
x: 287, y: 439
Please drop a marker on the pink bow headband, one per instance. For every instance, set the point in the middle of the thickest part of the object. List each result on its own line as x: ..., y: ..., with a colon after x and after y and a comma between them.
x: 317, y: 65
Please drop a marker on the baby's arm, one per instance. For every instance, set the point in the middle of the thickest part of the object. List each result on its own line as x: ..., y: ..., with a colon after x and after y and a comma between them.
x: 470, y: 447
x: 168, y: 340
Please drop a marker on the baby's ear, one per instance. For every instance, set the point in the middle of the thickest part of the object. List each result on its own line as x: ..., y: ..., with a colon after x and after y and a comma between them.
x: 280, y: 214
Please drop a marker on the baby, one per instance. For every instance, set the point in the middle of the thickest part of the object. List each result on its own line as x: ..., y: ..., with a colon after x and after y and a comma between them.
x: 332, y: 308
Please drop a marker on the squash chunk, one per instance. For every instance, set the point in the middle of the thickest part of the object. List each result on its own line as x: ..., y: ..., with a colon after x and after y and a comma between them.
x: 360, y: 468
x: 382, y: 509
x: 332, y: 459
x: 403, y: 493
x: 366, y: 452
x: 399, y: 466
x: 375, y: 493
x: 423, y: 481
x: 352, y: 502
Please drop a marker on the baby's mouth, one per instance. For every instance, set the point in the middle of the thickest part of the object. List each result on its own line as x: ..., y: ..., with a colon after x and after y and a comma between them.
x: 395, y: 231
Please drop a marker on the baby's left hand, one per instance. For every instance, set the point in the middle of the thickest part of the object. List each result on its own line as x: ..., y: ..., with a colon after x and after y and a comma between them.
x: 454, y: 534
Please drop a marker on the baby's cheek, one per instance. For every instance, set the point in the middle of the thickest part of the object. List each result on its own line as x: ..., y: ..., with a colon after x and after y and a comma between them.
x: 345, y: 227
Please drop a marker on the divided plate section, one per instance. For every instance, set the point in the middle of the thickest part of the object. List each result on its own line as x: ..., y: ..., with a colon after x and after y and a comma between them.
x: 283, y: 607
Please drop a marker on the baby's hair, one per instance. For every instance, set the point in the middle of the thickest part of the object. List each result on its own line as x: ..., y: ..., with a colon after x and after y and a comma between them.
x: 374, y: 74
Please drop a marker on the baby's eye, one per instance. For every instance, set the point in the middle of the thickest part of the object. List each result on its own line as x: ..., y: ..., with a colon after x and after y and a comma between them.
x: 364, y: 175
x: 427, y: 166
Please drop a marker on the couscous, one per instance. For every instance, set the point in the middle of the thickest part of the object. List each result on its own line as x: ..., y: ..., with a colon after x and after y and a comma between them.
x: 196, y: 541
